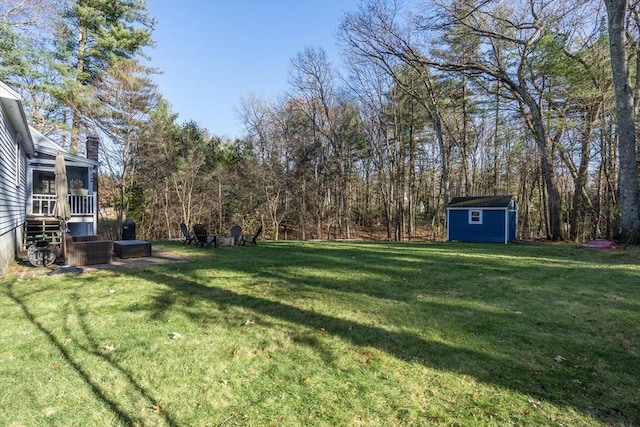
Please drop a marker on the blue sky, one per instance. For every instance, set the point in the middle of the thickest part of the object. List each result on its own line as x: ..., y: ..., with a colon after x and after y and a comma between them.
x: 215, y: 52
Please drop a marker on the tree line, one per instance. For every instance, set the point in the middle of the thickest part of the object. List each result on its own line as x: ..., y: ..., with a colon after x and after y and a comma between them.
x: 444, y: 98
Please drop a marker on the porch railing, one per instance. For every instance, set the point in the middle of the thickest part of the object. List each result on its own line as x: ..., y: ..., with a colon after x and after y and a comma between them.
x: 43, y: 204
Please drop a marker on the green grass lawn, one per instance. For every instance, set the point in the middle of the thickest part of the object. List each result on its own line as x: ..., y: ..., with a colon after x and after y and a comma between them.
x: 324, y: 334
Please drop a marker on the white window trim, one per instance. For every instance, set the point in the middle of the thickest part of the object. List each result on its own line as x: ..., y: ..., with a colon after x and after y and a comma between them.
x: 479, y: 215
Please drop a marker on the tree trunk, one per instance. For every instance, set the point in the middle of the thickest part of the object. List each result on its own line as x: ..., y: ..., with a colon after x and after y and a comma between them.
x: 76, y: 119
x: 580, y: 197
x: 536, y: 123
x: 626, y: 129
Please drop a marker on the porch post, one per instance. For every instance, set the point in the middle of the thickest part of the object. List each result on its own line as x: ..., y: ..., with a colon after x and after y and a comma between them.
x: 93, y: 146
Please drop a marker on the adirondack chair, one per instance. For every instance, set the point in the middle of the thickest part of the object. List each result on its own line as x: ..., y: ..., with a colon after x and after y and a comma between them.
x: 236, y: 231
x: 202, y: 236
x: 188, y: 237
x: 252, y: 239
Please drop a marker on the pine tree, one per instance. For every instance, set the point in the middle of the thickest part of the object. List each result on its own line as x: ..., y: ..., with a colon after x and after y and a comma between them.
x: 94, y: 35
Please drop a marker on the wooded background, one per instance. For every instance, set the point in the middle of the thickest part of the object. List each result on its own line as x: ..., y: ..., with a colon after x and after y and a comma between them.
x: 535, y: 98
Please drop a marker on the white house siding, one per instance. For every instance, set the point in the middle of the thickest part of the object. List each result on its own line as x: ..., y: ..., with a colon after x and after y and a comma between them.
x: 13, y: 182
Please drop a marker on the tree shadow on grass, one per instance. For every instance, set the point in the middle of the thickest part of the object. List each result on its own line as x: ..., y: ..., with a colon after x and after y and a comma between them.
x: 81, y: 367
x: 405, y: 346
x: 385, y: 264
x: 194, y: 283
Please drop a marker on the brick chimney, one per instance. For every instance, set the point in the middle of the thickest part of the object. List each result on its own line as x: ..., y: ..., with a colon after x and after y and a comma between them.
x: 93, y: 146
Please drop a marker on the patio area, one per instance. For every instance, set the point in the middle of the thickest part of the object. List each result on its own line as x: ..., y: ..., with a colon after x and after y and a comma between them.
x: 22, y: 268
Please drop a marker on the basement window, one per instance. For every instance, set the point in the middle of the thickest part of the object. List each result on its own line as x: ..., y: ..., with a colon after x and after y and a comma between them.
x: 475, y: 217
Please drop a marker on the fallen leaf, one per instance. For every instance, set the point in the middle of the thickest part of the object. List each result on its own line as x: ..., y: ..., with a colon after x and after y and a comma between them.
x: 156, y: 407
x: 534, y: 404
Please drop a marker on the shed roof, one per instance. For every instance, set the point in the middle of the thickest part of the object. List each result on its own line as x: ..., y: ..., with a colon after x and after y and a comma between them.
x: 481, y: 202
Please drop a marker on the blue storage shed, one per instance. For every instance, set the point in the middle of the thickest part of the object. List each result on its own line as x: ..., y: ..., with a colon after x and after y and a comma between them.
x: 492, y: 219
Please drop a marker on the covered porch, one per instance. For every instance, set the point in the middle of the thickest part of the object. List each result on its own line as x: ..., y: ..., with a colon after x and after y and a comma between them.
x: 81, y: 172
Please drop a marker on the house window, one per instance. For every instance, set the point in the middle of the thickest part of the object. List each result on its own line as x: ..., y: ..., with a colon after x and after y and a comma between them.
x: 475, y: 217
x: 44, y: 182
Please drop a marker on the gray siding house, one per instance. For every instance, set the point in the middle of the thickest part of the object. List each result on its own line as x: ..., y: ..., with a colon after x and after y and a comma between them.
x: 27, y: 191
x: 16, y: 146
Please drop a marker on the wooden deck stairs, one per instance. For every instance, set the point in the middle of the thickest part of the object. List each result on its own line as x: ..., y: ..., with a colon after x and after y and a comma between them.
x: 42, y: 229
